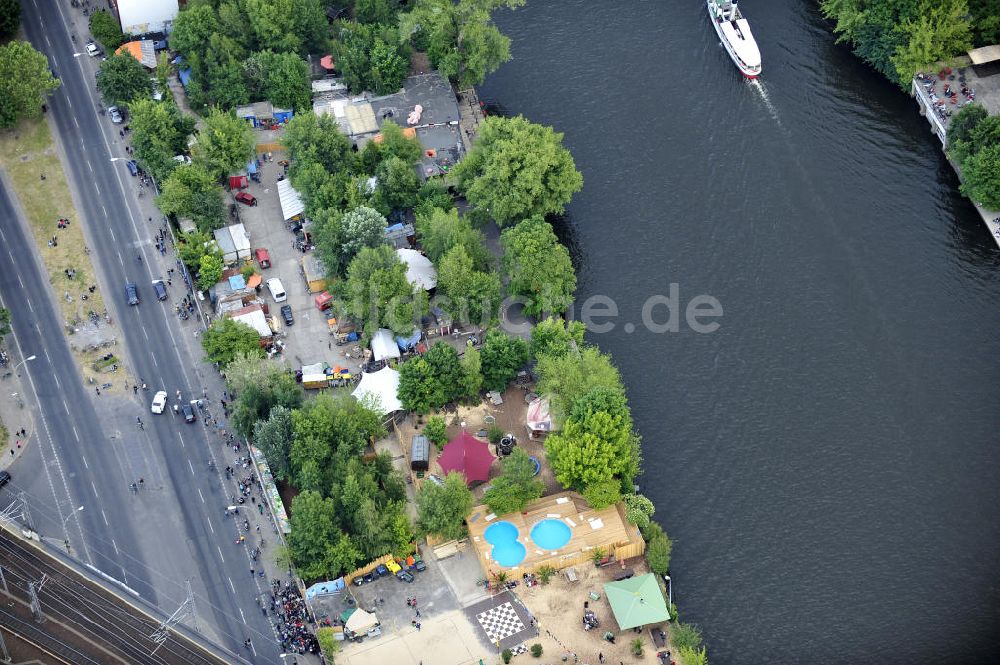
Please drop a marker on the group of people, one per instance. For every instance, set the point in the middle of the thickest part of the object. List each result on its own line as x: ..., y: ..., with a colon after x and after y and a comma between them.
x: 292, y: 619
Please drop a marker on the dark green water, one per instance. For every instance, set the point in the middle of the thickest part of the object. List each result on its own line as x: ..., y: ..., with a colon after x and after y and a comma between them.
x: 827, y: 461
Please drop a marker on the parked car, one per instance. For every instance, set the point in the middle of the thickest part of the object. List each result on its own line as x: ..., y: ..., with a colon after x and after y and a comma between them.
x: 263, y: 258
x: 381, y: 570
x: 159, y: 402
x: 188, y: 412
x: 277, y: 290
x: 132, y: 293
x: 369, y: 577
x: 420, y: 565
x: 359, y: 580
x: 4, y: 478
x: 161, y: 289
x: 393, y: 567
x: 404, y: 576
x: 286, y: 314
x: 93, y: 50
x: 133, y: 167
x: 246, y: 198
x: 115, y: 114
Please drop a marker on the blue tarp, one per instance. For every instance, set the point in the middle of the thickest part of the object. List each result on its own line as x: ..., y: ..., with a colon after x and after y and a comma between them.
x: 394, y: 227
x: 322, y: 588
x: 407, y: 343
x: 252, y: 166
x: 282, y: 115
x: 185, y: 76
x: 237, y: 282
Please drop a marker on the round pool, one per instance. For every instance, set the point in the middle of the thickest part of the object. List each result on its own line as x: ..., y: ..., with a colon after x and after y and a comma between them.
x: 506, y: 550
x: 551, y: 534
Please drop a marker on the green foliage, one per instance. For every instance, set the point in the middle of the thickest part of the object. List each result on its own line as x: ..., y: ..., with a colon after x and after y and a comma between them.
x: 225, y: 144
x: 313, y: 529
x: 375, y: 11
x: 10, y: 18
x: 254, y: 403
x: 591, y: 450
x: 191, y: 247
x: 436, y: 431
x: 440, y: 230
x: 939, y: 33
x: 470, y: 295
x: 985, y: 20
x: 494, y: 434
x: 693, y: 656
x: 658, y: 554
x: 638, y: 509
x: 370, y: 57
x: 460, y: 37
x: 192, y: 29
x: 685, y: 636
x: 635, y: 646
x: 516, y: 486
x: 280, y: 78
x: 360, y: 228
x: 536, y: 648
x: 433, y: 194
x: 506, y: 655
x: 376, y: 292
x: 441, y: 509
x: 960, y: 143
x: 25, y: 82
x: 274, y: 438
x: 191, y: 191
x: 4, y: 322
x: 538, y: 266
x: 472, y: 372
x: 502, y: 357
x: 159, y: 132
x: 396, y: 144
x: 226, y: 337
x: 565, y: 379
x: 417, y: 386
x: 516, y: 170
x: 397, y: 184
x: 555, y: 337
x: 597, y: 555
x: 328, y: 644
x: 602, y: 494
x: 313, y: 139
x: 447, y: 369
x: 122, y: 79
x: 106, y: 30
x: 209, y: 271
x: 981, y: 177
x: 545, y: 574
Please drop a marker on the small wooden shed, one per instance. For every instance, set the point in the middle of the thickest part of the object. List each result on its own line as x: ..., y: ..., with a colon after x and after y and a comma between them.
x: 420, y: 453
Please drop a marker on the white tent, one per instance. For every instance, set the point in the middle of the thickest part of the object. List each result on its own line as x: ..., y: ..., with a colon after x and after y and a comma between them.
x: 383, y: 345
x: 360, y: 622
x: 419, y: 269
x: 256, y: 320
x: 382, y: 386
x: 291, y: 202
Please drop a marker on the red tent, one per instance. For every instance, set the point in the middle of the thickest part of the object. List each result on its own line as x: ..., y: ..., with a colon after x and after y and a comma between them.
x: 467, y: 455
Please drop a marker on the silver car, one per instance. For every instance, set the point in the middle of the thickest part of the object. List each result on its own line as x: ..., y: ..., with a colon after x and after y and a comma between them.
x: 116, y: 115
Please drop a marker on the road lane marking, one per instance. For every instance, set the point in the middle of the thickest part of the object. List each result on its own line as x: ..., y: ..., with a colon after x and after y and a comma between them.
x: 223, y: 560
x: 116, y: 547
x: 76, y: 122
x: 105, y: 211
x: 231, y: 585
x: 58, y: 385
x: 210, y: 527
x: 155, y: 364
x: 28, y: 302
x: 46, y: 353
x: 76, y: 436
x: 242, y: 616
x: 47, y: 42
x: 89, y: 165
x: 202, y: 498
x: 181, y: 439
x: 98, y: 188
x: 111, y: 230
x: 106, y: 523
x: 87, y: 466
x: 191, y: 466
x: 66, y: 406
x: 94, y: 487
x: 145, y: 334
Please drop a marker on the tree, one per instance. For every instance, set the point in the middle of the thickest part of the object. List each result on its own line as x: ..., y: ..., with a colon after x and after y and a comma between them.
x: 280, y: 78
x: 981, y: 177
x: 105, y: 29
x: 960, y: 130
x: 556, y: 337
x: 538, y: 266
x: 10, y: 18
x: 658, y: 554
x: 397, y: 183
x: 502, y: 357
x: 460, y: 38
x: 693, y: 656
x: 516, y: 486
x: 274, y: 438
x: 360, y: 228
x: 249, y: 370
x: 226, y: 337
x: 192, y: 29
x: 370, y: 57
x: 313, y: 531
x: 472, y: 372
x: 191, y: 191
x: 210, y: 271
x: 417, y: 386
x: 220, y: 71
x: 447, y: 371
x: 388, y: 67
x: 313, y: 139
x: 375, y: 11
x: 441, y: 509
x: 940, y: 32
x: 159, y: 132
x: 602, y: 494
x: 985, y: 20
x: 192, y: 246
x: 516, y: 170
x: 472, y: 295
x: 225, y: 144
x: 344, y: 556
x: 255, y: 401
x: 638, y: 509
x: 436, y: 431
x: 397, y: 144
x: 589, y: 451
x: 565, y: 379
x: 25, y: 82
x: 329, y: 429
x: 377, y: 293
x: 122, y: 79
x: 5, y: 323
x: 441, y: 230
x: 982, y: 134
x: 272, y: 24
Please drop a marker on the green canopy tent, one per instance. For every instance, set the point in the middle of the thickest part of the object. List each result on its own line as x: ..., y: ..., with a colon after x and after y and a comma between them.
x: 637, y: 601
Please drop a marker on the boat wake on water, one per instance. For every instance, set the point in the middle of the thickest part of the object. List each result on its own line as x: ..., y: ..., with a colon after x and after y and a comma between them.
x: 758, y: 86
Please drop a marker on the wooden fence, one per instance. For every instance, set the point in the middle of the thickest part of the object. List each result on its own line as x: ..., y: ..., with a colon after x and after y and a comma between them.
x: 367, y: 568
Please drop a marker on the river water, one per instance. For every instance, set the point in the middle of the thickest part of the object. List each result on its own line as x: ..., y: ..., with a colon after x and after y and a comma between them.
x: 827, y: 461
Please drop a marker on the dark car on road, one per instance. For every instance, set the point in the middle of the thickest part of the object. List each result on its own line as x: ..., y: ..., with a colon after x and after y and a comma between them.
x: 4, y: 478
x: 133, y: 167
x: 161, y: 289
x: 132, y: 293
x: 404, y: 576
x: 246, y: 199
x: 188, y: 412
x: 286, y: 314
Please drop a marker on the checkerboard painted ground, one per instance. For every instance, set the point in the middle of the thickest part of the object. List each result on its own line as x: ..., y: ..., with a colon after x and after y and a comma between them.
x: 500, y: 622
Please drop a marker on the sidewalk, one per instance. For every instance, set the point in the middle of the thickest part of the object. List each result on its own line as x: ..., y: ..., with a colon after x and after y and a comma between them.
x: 14, y: 419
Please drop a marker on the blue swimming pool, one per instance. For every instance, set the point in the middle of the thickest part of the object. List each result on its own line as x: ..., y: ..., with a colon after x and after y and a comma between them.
x: 506, y: 550
x: 551, y: 534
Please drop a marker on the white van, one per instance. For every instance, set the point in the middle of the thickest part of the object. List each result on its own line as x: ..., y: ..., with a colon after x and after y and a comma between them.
x: 276, y: 289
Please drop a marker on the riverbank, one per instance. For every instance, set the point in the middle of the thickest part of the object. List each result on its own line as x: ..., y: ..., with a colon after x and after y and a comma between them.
x: 928, y: 91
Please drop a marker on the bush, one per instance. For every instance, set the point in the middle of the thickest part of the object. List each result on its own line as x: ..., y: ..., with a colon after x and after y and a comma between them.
x: 536, y: 650
x: 658, y: 554
x: 494, y: 433
x: 685, y: 636
x: 635, y: 646
x: 693, y: 656
x: 436, y: 431
x: 506, y: 655
x: 106, y: 31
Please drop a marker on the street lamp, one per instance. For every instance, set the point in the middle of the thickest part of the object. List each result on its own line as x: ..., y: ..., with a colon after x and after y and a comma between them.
x: 66, y: 519
x: 670, y: 590
x: 29, y: 358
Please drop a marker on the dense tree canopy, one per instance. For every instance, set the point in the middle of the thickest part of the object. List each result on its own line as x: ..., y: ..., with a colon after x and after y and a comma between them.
x: 376, y: 292
x: 280, y: 78
x: 106, y: 30
x: 362, y: 227
x: 565, y: 379
x: 441, y: 509
x: 471, y: 296
x: 590, y: 451
x: 440, y: 230
x: 25, y: 82
x: 370, y: 57
x: 122, y: 79
x: 556, y: 337
x: 502, y: 357
x: 314, y: 531
x: 273, y: 437
x: 191, y: 191
x: 517, y: 169
x: 210, y: 268
x: 539, y: 267
x: 159, y: 132
x: 10, y: 18
x: 255, y: 401
x: 981, y: 177
x: 960, y: 143
x: 225, y: 338
x: 516, y: 486
x: 225, y: 144
x: 313, y: 139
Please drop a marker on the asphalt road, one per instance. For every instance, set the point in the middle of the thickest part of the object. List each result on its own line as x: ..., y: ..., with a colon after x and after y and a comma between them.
x: 173, y: 531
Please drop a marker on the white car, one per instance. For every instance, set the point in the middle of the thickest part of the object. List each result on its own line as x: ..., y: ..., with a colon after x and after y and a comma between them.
x: 159, y: 402
x: 93, y: 50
